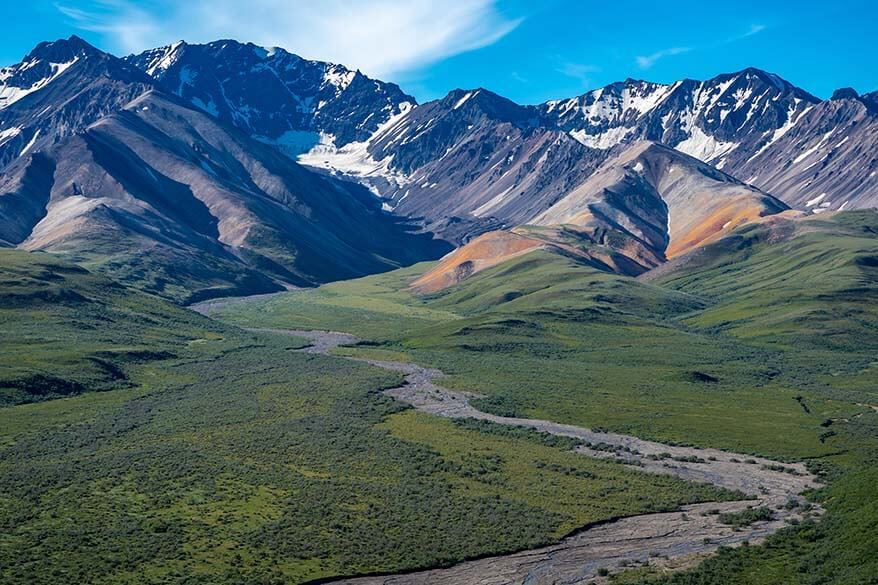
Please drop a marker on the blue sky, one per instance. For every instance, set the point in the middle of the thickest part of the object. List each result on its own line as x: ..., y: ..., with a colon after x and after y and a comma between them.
x: 528, y: 51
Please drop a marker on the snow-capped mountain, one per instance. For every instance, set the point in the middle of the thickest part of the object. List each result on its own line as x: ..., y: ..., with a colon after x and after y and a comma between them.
x: 88, y: 148
x: 476, y: 159
x: 273, y: 95
x: 826, y: 160
x: 469, y: 161
x: 752, y: 124
x: 136, y: 182
x: 715, y: 120
x: 58, y: 89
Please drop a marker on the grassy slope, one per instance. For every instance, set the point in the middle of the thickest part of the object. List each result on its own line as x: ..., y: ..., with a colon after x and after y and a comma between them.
x: 236, y: 460
x: 783, y: 318
x: 808, y: 288
x: 66, y: 330
x: 612, y: 364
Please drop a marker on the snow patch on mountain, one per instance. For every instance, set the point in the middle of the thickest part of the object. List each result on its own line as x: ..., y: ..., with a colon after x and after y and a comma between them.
x: 163, y: 58
x: 604, y: 140
x: 814, y: 148
x: 9, y: 134
x: 816, y: 200
x: 355, y: 160
x: 704, y: 147
x: 339, y: 76
x: 296, y: 142
x: 9, y: 94
x: 30, y: 143
x: 463, y: 100
x: 793, y: 116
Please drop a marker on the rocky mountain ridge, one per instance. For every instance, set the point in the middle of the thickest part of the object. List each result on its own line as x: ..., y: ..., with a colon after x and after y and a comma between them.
x: 171, y: 199
x: 624, y: 176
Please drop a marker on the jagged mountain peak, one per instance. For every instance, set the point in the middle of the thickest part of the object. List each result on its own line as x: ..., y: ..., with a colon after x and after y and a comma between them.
x: 762, y: 82
x: 43, y: 64
x: 751, y: 73
x: 485, y: 102
x: 57, y: 90
x: 275, y: 95
x: 157, y: 61
x: 845, y: 93
x: 63, y: 50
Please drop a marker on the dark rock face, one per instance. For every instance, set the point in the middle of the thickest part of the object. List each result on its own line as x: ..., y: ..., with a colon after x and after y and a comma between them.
x: 845, y: 93
x: 57, y: 90
x: 274, y: 95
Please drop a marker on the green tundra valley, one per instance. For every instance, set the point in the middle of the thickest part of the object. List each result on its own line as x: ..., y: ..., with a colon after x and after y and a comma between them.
x: 270, y: 320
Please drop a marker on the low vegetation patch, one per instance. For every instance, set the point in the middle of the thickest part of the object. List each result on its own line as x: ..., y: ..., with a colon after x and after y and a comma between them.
x: 746, y: 517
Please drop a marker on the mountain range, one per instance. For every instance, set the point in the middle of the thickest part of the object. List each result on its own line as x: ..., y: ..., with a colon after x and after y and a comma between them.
x: 124, y: 177
x: 226, y: 168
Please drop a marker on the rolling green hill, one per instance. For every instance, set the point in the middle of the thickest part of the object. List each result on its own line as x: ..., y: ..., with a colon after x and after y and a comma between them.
x: 66, y: 331
x: 806, y: 283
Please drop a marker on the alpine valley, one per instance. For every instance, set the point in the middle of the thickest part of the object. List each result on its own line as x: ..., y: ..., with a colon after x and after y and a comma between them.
x: 267, y: 320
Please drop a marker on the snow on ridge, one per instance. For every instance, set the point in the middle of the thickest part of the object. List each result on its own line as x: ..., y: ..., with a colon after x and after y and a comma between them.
x: 9, y: 134
x: 816, y: 200
x: 703, y: 146
x: 603, y: 140
x: 30, y: 144
x: 354, y: 159
x: 793, y: 118
x: 464, y: 99
x: 9, y: 94
x: 607, y: 106
x: 296, y: 142
x: 814, y: 148
x: 165, y: 60
x: 338, y: 76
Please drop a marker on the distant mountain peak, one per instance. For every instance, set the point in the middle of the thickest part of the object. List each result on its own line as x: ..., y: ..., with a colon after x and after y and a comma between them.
x: 58, y: 89
x: 845, y: 93
x: 273, y: 94
x: 62, y: 50
x: 483, y: 102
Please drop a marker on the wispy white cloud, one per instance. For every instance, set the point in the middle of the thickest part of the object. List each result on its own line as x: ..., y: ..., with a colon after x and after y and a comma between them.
x: 380, y: 37
x: 647, y: 61
x: 754, y: 29
x: 579, y: 71
x: 518, y: 77
x: 124, y: 23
